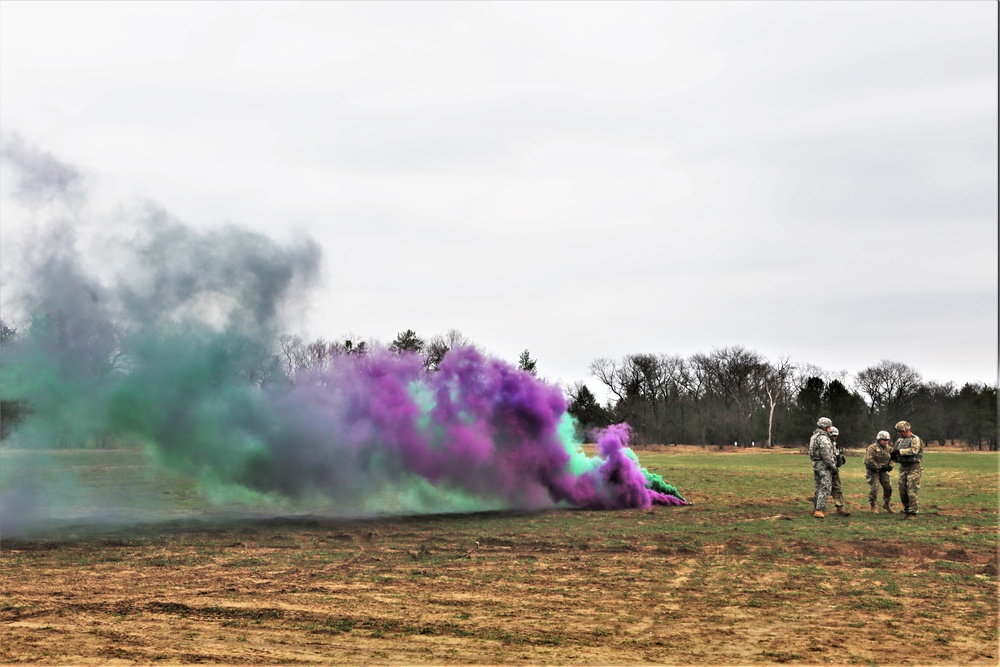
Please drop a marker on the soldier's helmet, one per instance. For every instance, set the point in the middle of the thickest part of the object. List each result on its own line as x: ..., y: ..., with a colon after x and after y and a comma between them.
x: 902, y: 427
x: 834, y: 430
x: 882, y: 435
x: 824, y: 422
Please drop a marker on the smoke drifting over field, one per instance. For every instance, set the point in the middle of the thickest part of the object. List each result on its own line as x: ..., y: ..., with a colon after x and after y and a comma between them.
x: 174, y: 352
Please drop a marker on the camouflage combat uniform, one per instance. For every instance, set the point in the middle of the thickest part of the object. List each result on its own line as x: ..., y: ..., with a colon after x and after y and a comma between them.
x: 824, y: 464
x: 877, y: 467
x: 911, y: 453
x: 836, y: 490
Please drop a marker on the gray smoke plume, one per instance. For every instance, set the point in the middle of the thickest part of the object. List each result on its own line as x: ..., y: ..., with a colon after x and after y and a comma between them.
x: 96, y: 333
x: 40, y: 176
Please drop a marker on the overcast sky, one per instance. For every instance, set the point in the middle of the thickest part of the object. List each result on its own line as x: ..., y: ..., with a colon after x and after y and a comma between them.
x: 584, y: 180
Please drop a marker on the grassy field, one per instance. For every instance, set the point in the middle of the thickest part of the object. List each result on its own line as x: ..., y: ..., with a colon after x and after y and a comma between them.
x: 744, y: 576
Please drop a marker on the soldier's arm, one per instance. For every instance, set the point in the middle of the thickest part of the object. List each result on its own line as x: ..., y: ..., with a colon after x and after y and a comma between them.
x: 914, y: 448
x: 826, y: 451
x: 870, y: 458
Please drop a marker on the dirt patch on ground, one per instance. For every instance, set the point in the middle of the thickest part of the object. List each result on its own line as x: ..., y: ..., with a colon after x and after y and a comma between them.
x: 550, y: 588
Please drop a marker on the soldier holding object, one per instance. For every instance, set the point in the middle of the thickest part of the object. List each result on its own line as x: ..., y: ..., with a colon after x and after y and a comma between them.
x: 878, y: 464
x: 908, y: 452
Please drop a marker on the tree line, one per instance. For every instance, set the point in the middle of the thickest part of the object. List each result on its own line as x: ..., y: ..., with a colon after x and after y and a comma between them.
x: 736, y: 395
x: 729, y: 395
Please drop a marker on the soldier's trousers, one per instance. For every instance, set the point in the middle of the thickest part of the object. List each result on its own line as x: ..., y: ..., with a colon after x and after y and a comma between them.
x: 909, y: 484
x: 823, y: 477
x: 875, y: 479
x: 836, y: 490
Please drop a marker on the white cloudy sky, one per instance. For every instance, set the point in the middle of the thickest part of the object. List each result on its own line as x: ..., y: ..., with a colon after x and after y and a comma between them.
x: 583, y: 180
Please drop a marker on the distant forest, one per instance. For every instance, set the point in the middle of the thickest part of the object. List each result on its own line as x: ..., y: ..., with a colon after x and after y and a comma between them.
x: 735, y: 395
x: 728, y: 396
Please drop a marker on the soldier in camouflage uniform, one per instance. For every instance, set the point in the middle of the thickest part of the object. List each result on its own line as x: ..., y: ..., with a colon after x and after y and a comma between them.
x: 836, y: 490
x: 824, y: 464
x: 909, y: 452
x: 878, y: 464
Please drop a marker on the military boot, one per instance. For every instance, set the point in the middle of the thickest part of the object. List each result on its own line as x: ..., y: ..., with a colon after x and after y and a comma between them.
x: 842, y: 511
x: 874, y: 510
x: 819, y: 515
x: 888, y: 507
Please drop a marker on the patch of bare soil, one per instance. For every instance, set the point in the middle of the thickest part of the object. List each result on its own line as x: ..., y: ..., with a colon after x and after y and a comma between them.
x: 422, y: 591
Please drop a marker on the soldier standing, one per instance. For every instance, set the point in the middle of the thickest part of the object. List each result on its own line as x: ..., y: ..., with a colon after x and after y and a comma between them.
x: 909, y: 452
x: 836, y: 490
x: 823, y: 463
x: 878, y: 464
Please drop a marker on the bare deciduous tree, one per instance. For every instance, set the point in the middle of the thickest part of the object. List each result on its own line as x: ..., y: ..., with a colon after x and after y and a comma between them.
x: 733, y: 376
x: 776, y: 378
x: 891, y: 388
x: 292, y: 352
x: 319, y: 353
x: 608, y: 373
x: 438, y: 346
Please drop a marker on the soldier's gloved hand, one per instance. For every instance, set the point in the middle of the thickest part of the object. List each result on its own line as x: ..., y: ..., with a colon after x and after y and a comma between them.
x: 841, y: 460
x: 894, y: 455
